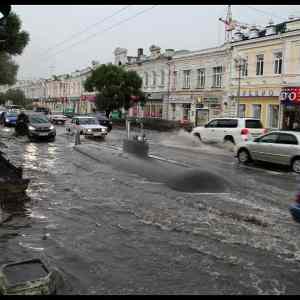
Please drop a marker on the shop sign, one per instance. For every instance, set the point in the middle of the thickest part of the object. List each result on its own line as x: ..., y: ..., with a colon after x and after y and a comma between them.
x: 290, y: 95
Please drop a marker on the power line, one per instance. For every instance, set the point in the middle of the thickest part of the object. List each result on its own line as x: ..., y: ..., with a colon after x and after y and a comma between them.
x: 86, y: 29
x: 105, y: 30
x: 264, y: 12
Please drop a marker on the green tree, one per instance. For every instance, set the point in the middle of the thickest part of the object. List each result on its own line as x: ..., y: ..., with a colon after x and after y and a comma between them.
x: 14, y: 42
x: 115, y: 87
x: 2, y: 98
x: 16, y: 96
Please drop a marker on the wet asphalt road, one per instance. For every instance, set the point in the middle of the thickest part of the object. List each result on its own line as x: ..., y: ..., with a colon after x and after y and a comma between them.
x: 111, y: 231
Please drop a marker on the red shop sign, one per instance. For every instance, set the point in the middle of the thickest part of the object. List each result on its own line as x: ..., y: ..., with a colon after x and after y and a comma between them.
x: 290, y: 95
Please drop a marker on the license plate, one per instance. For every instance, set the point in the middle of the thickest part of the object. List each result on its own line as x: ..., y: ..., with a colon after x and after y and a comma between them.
x: 43, y: 133
x: 97, y: 133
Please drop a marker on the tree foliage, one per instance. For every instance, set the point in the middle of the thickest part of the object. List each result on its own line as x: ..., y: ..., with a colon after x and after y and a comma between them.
x: 16, y: 96
x: 8, y: 69
x: 115, y: 87
x: 2, y: 98
x: 14, y: 42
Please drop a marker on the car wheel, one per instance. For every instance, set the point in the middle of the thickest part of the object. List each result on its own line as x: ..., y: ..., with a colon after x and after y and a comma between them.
x: 229, y: 139
x: 296, y: 165
x: 198, y: 135
x: 244, y: 156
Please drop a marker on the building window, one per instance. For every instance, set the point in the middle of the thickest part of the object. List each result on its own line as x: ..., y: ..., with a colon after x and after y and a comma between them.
x: 153, y: 78
x: 200, y: 78
x: 244, y: 70
x: 242, y: 110
x: 186, y: 111
x: 146, y: 79
x: 175, y: 80
x: 186, y: 79
x: 260, y: 65
x: 273, y: 115
x: 256, y: 111
x: 162, y: 77
x: 278, y: 63
x: 217, y: 77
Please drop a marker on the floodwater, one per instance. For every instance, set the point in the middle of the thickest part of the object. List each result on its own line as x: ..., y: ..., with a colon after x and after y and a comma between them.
x: 112, y: 231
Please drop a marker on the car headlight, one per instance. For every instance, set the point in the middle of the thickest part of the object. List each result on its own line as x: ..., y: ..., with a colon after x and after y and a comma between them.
x: 31, y: 127
x: 51, y: 127
x: 7, y: 120
x: 89, y: 130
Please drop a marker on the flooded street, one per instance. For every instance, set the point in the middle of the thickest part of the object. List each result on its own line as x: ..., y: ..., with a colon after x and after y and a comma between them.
x: 110, y: 230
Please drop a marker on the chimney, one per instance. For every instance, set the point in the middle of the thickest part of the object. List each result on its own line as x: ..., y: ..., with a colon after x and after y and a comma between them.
x: 238, y: 35
x: 169, y: 52
x: 155, y: 51
x: 270, y: 29
x: 140, y: 52
x: 254, y: 32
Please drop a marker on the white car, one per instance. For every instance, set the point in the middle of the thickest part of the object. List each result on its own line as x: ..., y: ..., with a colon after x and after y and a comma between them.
x: 234, y: 130
x: 88, y: 126
x: 57, y: 118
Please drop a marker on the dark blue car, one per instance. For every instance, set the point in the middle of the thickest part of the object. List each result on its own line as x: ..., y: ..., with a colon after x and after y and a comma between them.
x: 9, y: 118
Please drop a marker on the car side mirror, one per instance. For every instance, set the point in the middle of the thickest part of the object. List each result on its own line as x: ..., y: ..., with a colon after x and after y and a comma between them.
x: 77, y: 122
x: 206, y: 125
x: 256, y: 140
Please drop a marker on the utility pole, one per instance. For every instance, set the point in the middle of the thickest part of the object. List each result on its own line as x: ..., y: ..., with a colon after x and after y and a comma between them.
x: 239, y: 91
x: 240, y: 63
x: 169, y: 83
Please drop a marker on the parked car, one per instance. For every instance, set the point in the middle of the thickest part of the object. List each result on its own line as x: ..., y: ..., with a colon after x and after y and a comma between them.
x: 278, y: 147
x: 88, y: 126
x: 9, y: 118
x: 58, y: 118
x: 38, y: 126
x: 234, y: 130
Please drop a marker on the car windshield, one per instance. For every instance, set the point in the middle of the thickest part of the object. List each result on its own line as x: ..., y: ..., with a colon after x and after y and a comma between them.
x: 38, y: 119
x: 253, y: 124
x: 12, y: 114
x: 87, y: 121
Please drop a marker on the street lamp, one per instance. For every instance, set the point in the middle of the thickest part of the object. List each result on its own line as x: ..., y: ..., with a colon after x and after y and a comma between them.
x: 239, y: 63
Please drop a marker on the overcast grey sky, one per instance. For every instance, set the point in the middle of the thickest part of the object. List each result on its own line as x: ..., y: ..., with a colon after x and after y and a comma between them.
x: 189, y: 27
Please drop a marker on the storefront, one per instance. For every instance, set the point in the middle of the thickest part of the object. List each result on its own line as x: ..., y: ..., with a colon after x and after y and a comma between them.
x: 153, y: 107
x: 207, y: 107
x: 264, y: 108
x: 290, y: 108
x: 87, y: 103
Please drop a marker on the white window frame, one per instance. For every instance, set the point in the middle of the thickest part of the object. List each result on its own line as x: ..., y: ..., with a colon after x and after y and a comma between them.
x: 244, y: 70
x: 162, y: 77
x: 217, y: 76
x: 269, y: 116
x: 175, y: 74
x: 260, y: 64
x: 277, y: 62
x: 187, y: 79
x: 153, y: 78
x: 200, y: 78
x: 253, y: 111
x: 146, y: 76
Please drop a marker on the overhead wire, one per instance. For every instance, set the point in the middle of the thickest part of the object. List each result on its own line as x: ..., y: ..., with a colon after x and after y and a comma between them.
x: 76, y: 34
x: 264, y: 12
x: 102, y: 31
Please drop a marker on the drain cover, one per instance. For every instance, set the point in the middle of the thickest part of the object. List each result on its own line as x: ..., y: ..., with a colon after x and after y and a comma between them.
x: 29, y: 277
x: 197, y: 181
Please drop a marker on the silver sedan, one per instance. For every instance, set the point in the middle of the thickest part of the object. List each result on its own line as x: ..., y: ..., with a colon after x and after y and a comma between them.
x: 279, y: 147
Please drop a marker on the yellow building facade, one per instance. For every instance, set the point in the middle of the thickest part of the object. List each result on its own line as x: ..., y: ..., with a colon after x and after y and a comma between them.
x: 263, y: 66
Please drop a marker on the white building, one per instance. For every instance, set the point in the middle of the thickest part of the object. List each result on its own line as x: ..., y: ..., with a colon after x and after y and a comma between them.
x: 154, y: 70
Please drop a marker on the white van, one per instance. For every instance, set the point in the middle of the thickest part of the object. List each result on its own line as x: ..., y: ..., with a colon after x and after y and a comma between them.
x: 234, y: 130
